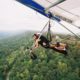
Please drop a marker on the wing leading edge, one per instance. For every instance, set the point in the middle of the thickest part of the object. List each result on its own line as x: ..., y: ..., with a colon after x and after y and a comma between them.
x: 37, y: 7
x: 42, y: 10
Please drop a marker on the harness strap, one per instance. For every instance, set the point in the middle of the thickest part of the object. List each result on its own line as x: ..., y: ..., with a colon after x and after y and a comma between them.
x: 49, y: 32
x: 49, y: 37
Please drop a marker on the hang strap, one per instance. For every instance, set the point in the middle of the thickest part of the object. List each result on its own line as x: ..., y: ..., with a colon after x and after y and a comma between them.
x: 49, y: 37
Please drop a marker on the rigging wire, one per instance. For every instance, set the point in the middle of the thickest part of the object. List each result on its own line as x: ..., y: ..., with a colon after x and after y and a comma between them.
x: 67, y: 12
x: 68, y: 29
x: 75, y: 25
x: 58, y: 23
x: 43, y: 29
x: 64, y: 9
x: 55, y: 20
x: 41, y: 32
x: 53, y: 14
x: 54, y: 4
x: 72, y: 14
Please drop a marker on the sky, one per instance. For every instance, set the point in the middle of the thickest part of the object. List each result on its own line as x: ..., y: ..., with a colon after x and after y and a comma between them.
x: 16, y: 17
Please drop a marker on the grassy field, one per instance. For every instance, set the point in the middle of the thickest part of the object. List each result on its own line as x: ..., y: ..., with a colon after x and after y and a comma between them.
x: 16, y: 64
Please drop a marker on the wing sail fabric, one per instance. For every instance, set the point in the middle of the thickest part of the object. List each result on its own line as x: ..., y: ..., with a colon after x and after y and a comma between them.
x: 39, y: 8
x: 65, y: 11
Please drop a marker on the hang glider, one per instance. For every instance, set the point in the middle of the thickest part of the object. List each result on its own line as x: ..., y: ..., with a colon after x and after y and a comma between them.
x: 39, y: 8
x: 58, y: 10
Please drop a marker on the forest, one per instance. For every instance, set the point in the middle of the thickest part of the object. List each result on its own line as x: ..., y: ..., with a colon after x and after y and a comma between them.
x: 16, y: 63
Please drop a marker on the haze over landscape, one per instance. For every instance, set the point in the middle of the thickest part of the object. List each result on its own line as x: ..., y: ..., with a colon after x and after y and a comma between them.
x: 19, y: 60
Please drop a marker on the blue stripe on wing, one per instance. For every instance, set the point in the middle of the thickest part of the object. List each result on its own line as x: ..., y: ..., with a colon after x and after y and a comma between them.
x: 37, y: 7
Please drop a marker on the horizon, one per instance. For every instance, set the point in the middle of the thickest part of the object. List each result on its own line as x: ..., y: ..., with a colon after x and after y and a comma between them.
x: 33, y: 31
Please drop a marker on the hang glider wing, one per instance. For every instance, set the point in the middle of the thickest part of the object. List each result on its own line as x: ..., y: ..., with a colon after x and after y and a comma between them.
x: 56, y: 9
x: 38, y: 5
x: 65, y: 10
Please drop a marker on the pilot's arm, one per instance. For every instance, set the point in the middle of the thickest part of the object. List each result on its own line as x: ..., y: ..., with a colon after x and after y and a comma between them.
x: 36, y: 45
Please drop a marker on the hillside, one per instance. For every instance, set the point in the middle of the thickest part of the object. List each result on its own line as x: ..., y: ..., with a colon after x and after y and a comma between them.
x: 16, y: 64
